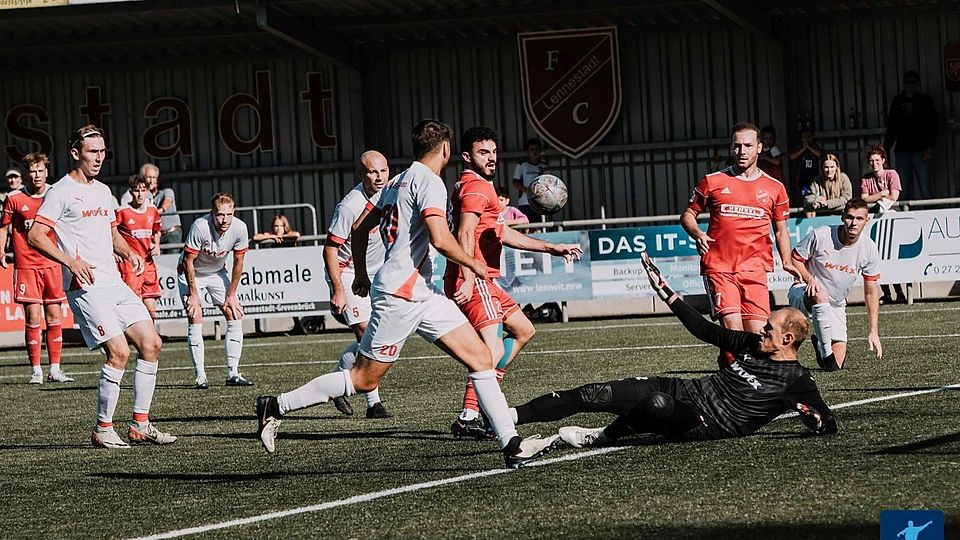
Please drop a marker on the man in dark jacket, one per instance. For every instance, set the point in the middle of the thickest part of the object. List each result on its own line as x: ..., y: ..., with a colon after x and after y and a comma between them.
x: 912, y: 134
x: 765, y: 381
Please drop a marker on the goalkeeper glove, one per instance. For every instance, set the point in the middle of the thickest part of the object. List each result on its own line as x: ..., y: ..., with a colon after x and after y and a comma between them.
x: 657, y: 283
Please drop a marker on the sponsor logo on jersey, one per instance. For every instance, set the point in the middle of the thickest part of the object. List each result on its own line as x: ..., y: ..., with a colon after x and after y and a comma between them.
x: 98, y: 211
x: 741, y: 210
x: 745, y: 375
x: 840, y: 267
x: 141, y: 233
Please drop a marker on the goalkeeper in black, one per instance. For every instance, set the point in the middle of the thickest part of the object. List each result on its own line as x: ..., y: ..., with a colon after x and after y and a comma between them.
x: 765, y: 381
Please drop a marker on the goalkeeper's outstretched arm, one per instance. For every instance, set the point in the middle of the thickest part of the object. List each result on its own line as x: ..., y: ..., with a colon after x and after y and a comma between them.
x: 728, y: 340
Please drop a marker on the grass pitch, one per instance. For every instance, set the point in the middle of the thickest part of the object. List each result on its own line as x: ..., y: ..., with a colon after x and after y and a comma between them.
x: 901, y: 453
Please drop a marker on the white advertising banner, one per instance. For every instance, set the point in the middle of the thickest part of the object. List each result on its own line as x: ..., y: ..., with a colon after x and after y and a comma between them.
x: 280, y: 282
x: 918, y: 246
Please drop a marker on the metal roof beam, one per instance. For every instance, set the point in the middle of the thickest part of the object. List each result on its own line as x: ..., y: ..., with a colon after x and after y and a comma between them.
x: 744, y: 14
x: 303, y: 36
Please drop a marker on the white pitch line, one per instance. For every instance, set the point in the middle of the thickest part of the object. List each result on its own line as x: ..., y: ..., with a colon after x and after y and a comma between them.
x: 526, y: 353
x: 366, y: 497
x: 347, y: 339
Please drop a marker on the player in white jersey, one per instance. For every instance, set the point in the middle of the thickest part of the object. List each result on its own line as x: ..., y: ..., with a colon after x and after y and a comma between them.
x: 347, y: 307
x: 202, y: 274
x: 830, y: 261
x: 411, y: 214
x: 79, y: 209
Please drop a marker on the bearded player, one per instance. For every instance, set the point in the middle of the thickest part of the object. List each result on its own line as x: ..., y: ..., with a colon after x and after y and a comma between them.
x: 37, y: 280
x: 138, y: 222
x: 477, y: 223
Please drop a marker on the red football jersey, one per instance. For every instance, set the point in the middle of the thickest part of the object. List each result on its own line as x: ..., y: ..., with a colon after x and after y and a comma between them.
x: 20, y: 208
x: 472, y: 193
x: 137, y: 227
x: 741, y: 212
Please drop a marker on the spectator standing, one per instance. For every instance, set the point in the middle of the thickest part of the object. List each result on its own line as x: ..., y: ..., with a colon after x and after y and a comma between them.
x: 806, y: 157
x: 171, y: 230
x: 830, y: 191
x: 14, y: 182
x: 912, y: 135
x: 882, y: 186
x: 771, y: 156
x: 525, y: 173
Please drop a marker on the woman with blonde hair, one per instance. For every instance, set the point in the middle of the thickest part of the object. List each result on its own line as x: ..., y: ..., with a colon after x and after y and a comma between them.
x: 279, y: 233
x: 830, y: 191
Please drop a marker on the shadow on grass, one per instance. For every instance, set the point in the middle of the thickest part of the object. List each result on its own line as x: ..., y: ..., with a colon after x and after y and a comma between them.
x: 67, y: 387
x: 427, y: 435
x: 244, y: 417
x: 691, y: 372
x: 50, y: 446
x: 918, y: 446
x: 793, y: 531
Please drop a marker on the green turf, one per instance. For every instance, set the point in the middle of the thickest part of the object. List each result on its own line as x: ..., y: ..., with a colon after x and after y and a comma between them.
x: 780, y: 483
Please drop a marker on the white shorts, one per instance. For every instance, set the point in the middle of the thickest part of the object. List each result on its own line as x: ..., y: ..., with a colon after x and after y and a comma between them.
x: 394, y: 319
x: 358, y: 307
x: 105, y: 313
x: 211, y: 288
x: 837, y: 314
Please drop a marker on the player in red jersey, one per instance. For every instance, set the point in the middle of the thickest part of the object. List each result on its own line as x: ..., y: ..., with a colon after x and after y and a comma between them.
x: 477, y: 222
x: 736, y: 250
x: 37, y: 281
x: 138, y: 222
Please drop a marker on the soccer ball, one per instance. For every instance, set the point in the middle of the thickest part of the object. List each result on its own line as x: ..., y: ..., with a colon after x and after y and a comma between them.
x: 547, y: 194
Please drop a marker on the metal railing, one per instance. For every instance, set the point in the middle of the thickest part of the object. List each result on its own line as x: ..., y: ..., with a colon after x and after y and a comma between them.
x: 559, y: 225
x: 255, y: 226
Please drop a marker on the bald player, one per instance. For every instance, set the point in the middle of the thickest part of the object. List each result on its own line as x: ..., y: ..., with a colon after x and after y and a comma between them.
x: 345, y: 306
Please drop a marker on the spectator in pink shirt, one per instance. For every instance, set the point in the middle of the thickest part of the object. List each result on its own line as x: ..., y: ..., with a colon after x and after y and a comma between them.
x: 511, y: 214
x: 882, y: 186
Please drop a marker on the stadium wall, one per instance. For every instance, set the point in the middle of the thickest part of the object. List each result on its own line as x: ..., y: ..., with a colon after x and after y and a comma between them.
x: 681, y: 92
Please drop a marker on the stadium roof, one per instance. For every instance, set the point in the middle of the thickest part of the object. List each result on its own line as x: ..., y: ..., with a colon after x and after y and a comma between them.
x: 40, y: 39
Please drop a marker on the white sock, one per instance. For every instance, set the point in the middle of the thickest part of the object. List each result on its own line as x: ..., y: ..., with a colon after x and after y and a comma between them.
x: 195, y: 342
x: 38, y: 369
x: 494, y: 404
x: 468, y: 414
x: 348, y: 357
x: 108, y: 393
x: 513, y: 416
x: 54, y: 368
x: 823, y: 327
x: 144, y: 383
x: 319, y: 390
x: 234, y: 345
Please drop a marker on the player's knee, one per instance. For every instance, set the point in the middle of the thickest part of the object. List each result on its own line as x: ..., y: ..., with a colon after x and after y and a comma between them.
x: 658, y: 406
x: 117, y: 354
x: 151, y: 347
x: 363, y: 380
x: 524, y: 335
x: 595, y: 393
x: 496, y: 351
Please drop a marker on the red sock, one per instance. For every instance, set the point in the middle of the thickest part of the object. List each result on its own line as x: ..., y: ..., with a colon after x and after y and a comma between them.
x: 104, y: 425
x: 470, y: 398
x: 54, y: 342
x: 500, y: 373
x: 32, y: 339
x: 141, y: 417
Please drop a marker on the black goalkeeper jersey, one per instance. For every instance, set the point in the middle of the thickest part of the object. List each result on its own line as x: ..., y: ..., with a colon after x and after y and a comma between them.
x: 748, y: 394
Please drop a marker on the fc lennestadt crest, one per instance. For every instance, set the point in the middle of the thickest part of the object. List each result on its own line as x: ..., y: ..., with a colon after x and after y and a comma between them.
x: 571, y: 85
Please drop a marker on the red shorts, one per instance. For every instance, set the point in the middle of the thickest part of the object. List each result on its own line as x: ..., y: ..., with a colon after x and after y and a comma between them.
x: 38, y: 286
x: 488, y: 305
x: 146, y: 285
x: 745, y: 293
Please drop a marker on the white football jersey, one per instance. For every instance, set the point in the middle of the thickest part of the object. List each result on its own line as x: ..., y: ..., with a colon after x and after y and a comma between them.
x: 211, y: 247
x: 405, y: 201
x: 82, y: 217
x: 838, y: 267
x: 344, y: 217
